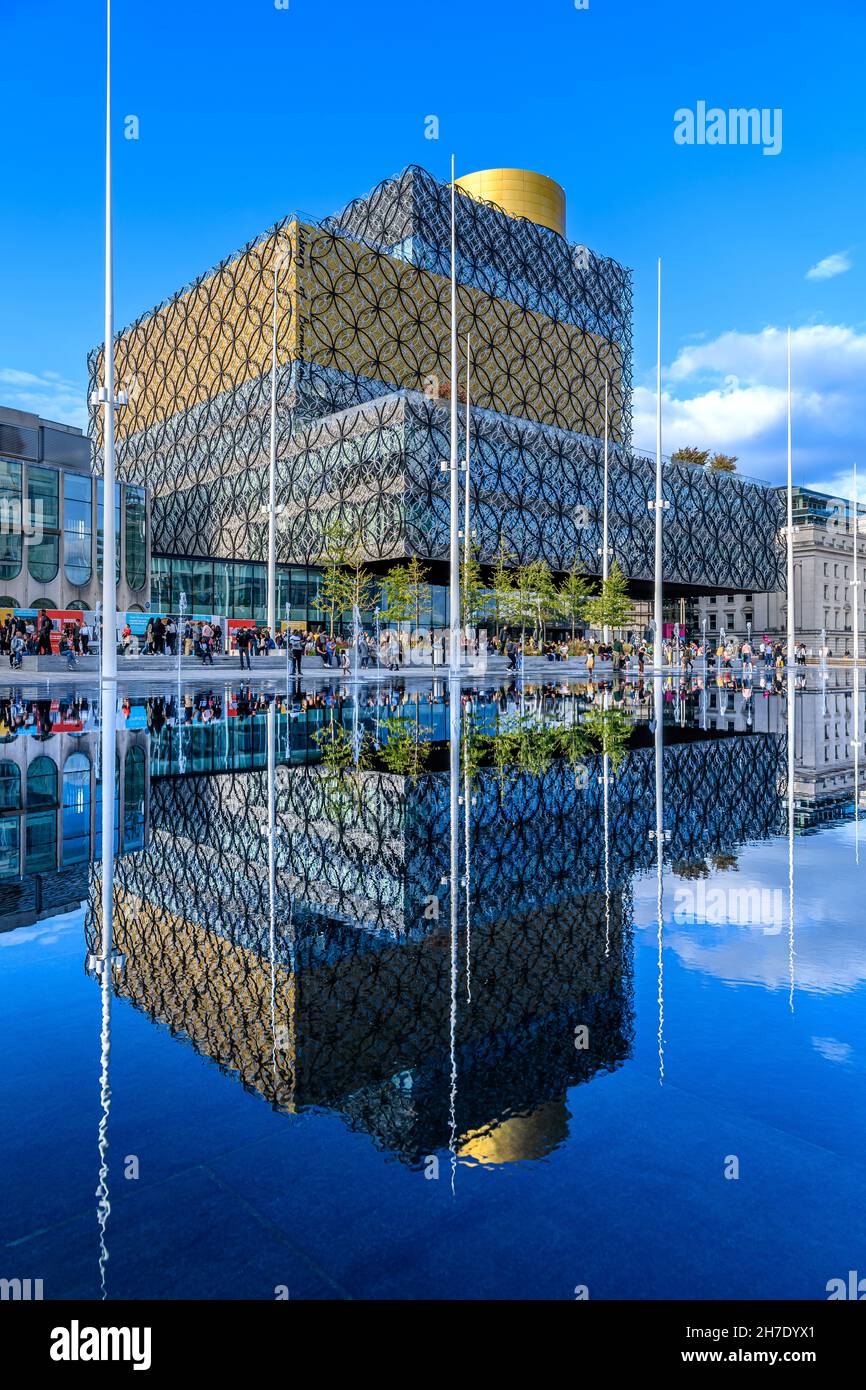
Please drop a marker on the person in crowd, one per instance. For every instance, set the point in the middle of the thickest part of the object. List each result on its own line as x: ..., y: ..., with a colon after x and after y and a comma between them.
x: 84, y: 635
x: 296, y: 649
x: 66, y: 649
x: 244, y: 638
x: 43, y: 645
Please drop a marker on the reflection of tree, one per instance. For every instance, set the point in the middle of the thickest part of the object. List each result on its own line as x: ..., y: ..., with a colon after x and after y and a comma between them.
x: 344, y: 757
x: 406, y: 748
x: 725, y: 862
x: 683, y: 868
x: 610, y: 730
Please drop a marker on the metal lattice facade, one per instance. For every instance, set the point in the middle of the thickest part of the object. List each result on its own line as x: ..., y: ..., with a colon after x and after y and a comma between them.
x: 363, y: 364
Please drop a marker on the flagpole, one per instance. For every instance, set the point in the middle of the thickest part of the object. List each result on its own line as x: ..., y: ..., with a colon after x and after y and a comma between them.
x: 454, y: 556
x: 604, y: 538
x: 855, y: 582
x: 466, y: 531
x: 790, y: 522
x: 106, y: 397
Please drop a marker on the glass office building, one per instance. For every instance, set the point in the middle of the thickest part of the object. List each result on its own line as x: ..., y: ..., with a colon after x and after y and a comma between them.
x: 51, y: 529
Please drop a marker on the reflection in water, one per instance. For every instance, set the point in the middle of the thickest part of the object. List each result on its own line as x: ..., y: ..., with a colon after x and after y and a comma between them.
x: 286, y: 919
x: 269, y: 878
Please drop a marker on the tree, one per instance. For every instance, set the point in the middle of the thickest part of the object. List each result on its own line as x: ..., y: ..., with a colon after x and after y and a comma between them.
x: 613, y: 605
x: 419, y: 587
x: 406, y: 591
x: 502, y: 594
x: 537, y: 594
x: 574, y: 591
x: 724, y: 463
x: 697, y: 457
x: 345, y: 582
x: 472, y: 590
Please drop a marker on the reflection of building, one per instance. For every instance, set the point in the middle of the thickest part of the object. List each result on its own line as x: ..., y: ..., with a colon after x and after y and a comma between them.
x: 50, y: 818
x: 348, y: 1001
x: 51, y: 521
x: 363, y: 415
x: 823, y: 569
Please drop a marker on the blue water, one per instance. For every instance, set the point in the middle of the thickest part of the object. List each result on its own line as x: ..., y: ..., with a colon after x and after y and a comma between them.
x: 738, y: 1042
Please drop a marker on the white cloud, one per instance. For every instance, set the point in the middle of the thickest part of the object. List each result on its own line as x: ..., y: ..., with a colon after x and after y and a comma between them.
x: 730, y: 394
x: 46, y: 394
x: 836, y: 264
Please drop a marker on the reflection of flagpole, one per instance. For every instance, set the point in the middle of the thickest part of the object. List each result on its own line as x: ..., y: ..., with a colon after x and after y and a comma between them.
x: 791, y: 707
x: 605, y: 777
x: 454, y: 786
x: 467, y: 833
x: 658, y: 709
x: 658, y: 504
x: 105, y: 961
x: 272, y: 827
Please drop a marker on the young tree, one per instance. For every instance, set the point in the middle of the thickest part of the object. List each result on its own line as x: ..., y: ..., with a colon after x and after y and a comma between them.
x: 536, y: 595
x: 345, y: 582
x: 471, y: 586
x: 418, y: 576
x: 502, y: 597
x: 613, y: 605
x: 574, y: 592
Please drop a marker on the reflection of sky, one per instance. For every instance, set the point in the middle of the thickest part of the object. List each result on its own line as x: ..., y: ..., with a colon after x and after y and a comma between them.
x: 829, y: 917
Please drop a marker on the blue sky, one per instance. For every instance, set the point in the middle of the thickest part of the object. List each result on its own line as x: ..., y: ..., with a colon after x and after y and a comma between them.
x: 247, y: 111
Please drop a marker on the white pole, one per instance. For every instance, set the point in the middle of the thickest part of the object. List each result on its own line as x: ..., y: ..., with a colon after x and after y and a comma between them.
x: 108, y: 710
x: 658, y: 714
x: 454, y: 587
x: 109, y: 543
x: 790, y: 526
x: 855, y: 582
x: 466, y: 532
x: 658, y: 503
x: 604, y: 537
x: 272, y: 476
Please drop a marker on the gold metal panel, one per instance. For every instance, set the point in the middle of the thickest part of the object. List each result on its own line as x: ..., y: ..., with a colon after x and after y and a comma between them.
x: 521, y: 193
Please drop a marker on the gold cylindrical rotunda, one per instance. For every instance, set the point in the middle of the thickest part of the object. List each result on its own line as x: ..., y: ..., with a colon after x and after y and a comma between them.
x: 520, y: 193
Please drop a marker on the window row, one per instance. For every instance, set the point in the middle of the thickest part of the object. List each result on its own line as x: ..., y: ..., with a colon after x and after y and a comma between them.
x: 34, y: 522
x: 73, y: 799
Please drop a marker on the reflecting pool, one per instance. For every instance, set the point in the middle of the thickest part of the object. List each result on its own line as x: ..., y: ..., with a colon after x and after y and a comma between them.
x: 409, y: 991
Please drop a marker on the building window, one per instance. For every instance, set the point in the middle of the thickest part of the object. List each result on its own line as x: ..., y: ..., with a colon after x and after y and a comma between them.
x: 76, y: 809
x: 10, y: 786
x: 10, y: 514
x: 77, y: 529
x: 202, y: 586
x: 100, y: 523
x: 43, y: 493
x: 136, y: 537
x: 160, y: 581
x: 133, y: 799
